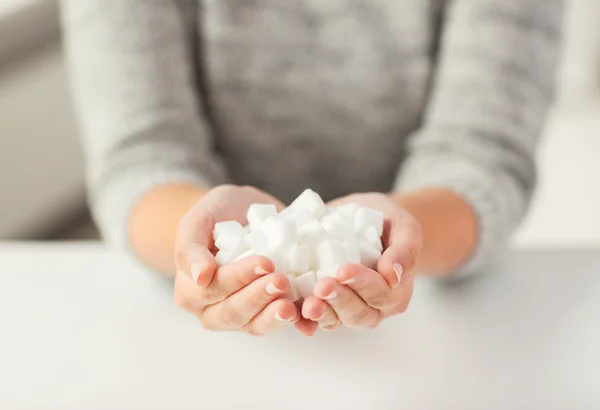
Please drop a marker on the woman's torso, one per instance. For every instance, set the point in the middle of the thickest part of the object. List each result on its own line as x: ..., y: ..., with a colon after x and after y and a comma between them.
x: 312, y: 92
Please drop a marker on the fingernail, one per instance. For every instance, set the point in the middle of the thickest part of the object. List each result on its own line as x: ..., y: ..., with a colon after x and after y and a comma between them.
x: 331, y: 296
x: 399, y: 271
x: 279, y: 318
x: 196, y: 270
x: 272, y: 289
x: 259, y: 270
x: 348, y: 281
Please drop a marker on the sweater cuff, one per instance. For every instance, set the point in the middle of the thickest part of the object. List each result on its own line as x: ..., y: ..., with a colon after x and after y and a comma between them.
x: 113, y: 203
x: 496, y: 199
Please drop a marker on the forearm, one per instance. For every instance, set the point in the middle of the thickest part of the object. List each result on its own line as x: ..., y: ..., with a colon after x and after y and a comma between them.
x: 449, y: 225
x: 153, y: 223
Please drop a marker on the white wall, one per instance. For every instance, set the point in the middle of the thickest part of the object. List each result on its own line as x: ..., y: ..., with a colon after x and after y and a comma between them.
x: 41, y: 178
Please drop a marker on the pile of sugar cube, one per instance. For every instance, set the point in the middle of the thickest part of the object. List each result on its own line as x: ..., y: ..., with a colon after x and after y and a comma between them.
x: 306, y: 241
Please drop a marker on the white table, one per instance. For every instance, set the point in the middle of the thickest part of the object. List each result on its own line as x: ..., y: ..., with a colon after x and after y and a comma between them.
x: 81, y: 328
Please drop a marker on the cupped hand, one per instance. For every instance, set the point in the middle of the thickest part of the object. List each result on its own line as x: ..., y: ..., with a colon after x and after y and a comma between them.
x: 361, y: 297
x: 245, y: 295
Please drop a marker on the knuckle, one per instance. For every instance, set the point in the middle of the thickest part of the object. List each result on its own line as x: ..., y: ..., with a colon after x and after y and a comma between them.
x: 214, y: 293
x: 358, y: 318
x: 410, y: 255
x: 231, y: 318
x: 379, y: 300
x: 256, y: 299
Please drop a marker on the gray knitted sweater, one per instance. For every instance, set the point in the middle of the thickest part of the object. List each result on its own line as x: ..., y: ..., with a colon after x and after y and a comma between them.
x: 337, y: 95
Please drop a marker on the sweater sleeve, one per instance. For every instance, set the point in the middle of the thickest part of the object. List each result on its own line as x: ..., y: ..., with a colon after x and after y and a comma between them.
x: 492, y: 89
x: 133, y: 85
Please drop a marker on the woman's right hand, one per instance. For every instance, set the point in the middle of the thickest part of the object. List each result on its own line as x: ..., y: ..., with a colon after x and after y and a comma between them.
x: 245, y: 295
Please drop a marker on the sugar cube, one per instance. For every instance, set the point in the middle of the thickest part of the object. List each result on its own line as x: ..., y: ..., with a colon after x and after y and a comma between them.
x: 246, y: 254
x: 298, y: 258
x: 293, y: 293
x: 348, y: 210
x: 300, y: 216
x: 277, y: 259
x: 223, y: 257
x: 233, y: 227
x: 369, y: 256
x: 280, y: 233
x: 305, y: 284
x: 312, y: 233
x: 228, y: 240
x: 257, y: 240
x: 329, y: 252
x: 371, y: 237
x: 259, y: 213
x: 310, y: 201
x: 351, y: 252
x: 338, y: 226
x: 327, y: 271
x: 365, y: 217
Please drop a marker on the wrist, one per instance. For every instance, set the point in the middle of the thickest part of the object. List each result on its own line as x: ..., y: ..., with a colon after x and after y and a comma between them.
x: 449, y: 225
x: 154, y: 220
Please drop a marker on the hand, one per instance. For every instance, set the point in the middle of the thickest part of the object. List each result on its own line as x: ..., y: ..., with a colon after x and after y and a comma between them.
x: 361, y: 297
x: 244, y: 295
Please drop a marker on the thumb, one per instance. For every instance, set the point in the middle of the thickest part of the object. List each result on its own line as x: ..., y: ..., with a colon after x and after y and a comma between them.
x: 192, y: 250
x: 402, y: 244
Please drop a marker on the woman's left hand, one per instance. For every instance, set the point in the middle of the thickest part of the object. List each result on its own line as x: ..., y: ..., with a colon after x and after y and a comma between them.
x: 361, y: 297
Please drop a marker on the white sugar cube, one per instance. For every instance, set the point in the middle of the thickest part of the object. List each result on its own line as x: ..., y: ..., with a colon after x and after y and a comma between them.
x: 259, y: 213
x: 257, y: 240
x: 232, y: 227
x: 280, y: 233
x: 299, y: 258
x: 246, y: 254
x: 311, y: 201
x: 312, y: 233
x: 369, y: 256
x: 327, y: 271
x: 300, y: 216
x: 329, y: 252
x: 277, y: 259
x: 338, y: 226
x: 351, y: 252
x: 293, y: 293
x: 365, y: 217
x: 371, y: 237
x: 223, y: 257
x: 348, y: 210
x: 229, y: 241
x: 305, y: 284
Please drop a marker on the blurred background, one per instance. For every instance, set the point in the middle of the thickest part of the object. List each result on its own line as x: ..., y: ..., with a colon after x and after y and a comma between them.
x: 42, y: 194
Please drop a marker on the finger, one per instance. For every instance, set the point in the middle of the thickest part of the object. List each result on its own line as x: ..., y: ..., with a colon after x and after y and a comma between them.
x: 402, y: 294
x: 320, y: 312
x: 369, y: 285
x: 306, y: 327
x: 227, y: 280
x: 277, y: 315
x: 192, y: 248
x: 402, y: 240
x: 233, y: 277
x: 238, y: 309
x: 348, y: 306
